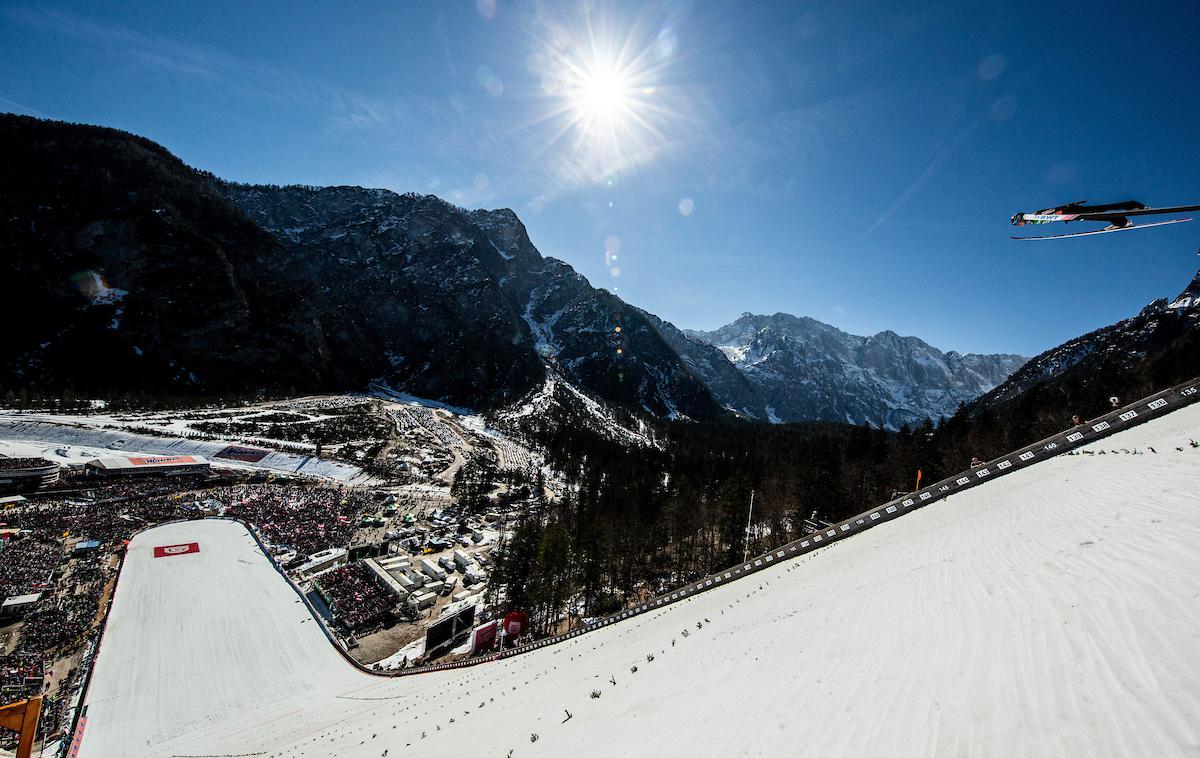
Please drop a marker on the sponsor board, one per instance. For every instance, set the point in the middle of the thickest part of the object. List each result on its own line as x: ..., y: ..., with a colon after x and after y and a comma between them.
x: 166, y: 551
x: 484, y: 637
x: 162, y: 460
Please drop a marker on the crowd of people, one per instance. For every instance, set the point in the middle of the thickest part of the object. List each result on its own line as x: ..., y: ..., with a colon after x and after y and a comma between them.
x: 38, y: 559
x: 19, y: 673
x: 59, y: 622
x: 27, y: 565
x: 107, y: 490
x: 356, y: 598
x: 13, y: 464
x: 49, y: 522
x: 306, y: 518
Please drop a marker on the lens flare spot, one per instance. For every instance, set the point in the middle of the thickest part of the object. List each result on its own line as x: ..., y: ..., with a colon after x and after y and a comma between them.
x: 666, y: 43
x: 686, y: 206
x: 486, y: 8
x: 489, y: 81
x: 1004, y: 108
x: 991, y: 67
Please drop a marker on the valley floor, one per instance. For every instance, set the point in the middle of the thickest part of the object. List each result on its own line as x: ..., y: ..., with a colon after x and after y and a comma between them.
x: 1053, y: 612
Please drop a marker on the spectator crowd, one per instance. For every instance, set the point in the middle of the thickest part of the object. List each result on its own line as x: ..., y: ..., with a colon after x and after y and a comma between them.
x: 306, y: 518
x: 356, y: 598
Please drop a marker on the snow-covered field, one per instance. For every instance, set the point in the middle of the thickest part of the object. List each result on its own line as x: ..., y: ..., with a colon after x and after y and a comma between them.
x: 1053, y: 612
x: 74, y: 439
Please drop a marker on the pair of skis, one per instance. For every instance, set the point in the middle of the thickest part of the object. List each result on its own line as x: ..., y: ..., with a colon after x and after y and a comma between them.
x: 1116, y: 215
x: 1105, y: 231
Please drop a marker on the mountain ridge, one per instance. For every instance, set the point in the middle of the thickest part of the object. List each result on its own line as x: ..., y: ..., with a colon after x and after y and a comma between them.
x: 804, y: 370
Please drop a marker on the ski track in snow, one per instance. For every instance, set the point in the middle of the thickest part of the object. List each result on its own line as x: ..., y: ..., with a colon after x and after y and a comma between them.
x: 1053, y: 612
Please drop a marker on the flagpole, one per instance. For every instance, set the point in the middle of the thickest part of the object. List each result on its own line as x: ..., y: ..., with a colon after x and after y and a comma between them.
x: 746, y: 541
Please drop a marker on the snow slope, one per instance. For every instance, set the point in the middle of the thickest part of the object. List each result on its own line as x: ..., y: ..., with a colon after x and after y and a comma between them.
x: 1052, y: 612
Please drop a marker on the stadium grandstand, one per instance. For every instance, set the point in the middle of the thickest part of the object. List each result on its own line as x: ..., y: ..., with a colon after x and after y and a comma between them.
x: 24, y: 474
x: 168, y: 465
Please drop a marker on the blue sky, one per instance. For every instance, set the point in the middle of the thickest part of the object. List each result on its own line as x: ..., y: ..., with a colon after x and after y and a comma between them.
x: 854, y: 162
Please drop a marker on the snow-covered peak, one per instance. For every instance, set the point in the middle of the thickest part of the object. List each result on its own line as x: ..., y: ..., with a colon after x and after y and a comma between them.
x: 804, y: 370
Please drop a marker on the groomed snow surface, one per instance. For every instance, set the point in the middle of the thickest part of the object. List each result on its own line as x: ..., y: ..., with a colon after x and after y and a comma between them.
x: 1053, y: 612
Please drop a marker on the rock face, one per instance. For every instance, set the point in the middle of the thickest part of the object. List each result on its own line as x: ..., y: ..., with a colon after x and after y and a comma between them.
x: 135, y: 273
x: 461, y: 305
x: 803, y: 370
x: 406, y: 289
x: 728, y: 385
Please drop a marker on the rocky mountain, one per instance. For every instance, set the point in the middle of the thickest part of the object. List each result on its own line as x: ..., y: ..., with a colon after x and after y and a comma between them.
x: 800, y: 369
x: 455, y: 304
x: 136, y: 273
x: 1157, y: 348
x: 727, y: 384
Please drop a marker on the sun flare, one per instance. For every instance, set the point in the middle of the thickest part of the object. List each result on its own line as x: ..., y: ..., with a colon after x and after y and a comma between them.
x: 606, y: 97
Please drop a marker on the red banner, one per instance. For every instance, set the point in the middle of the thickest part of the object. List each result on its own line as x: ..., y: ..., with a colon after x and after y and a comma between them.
x: 165, y: 551
x: 515, y: 623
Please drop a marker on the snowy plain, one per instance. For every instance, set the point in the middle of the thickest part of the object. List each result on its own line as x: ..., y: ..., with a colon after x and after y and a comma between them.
x: 1053, y: 612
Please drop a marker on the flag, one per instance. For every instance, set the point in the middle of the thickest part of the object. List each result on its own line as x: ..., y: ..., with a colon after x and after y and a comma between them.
x: 918, y: 481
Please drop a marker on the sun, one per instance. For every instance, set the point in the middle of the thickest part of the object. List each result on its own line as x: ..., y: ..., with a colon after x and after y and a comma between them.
x: 603, y: 96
